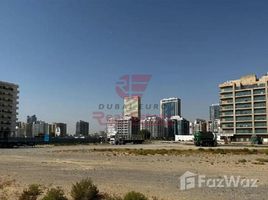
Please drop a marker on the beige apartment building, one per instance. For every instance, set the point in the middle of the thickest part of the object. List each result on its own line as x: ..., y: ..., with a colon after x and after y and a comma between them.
x: 243, y: 107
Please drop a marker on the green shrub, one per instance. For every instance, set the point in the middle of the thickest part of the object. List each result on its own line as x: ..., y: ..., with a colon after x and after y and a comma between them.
x: 31, y: 193
x: 106, y: 196
x: 84, y: 190
x: 55, y: 194
x: 262, y: 159
x: 135, y: 196
x: 242, y: 160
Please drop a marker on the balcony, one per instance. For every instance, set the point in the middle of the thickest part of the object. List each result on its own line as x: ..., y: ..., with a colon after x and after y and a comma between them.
x: 226, y: 96
x: 227, y: 119
x: 259, y: 111
x: 245, y: 131
x: 243, y: 93
x: 259, y: 105
x: 259, y: 92
x: 253, y: 86
x: 228, y: 126
x: 243, y: 112
x: 259, y: 98
x: 226, y: 108
x: 242, y: 108
x: 226, y: 102
x: 227, y: 113
x: 260, y: 124
x: 260, y: 118
x: 239, y: 100
x: 244, y: 119
x: 226, y: 89
x: 261, y: 130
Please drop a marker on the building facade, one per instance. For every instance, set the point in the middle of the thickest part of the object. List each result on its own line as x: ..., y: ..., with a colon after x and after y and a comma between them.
x: 31, y: 119
x: 180, y: 125
x: 111, y: 128
x: 40, y: 128
x: 170, y: 107
x: 154, y: 125
x: 60, y: 129
x: 214, y: 112
x: 132, y: 106
x: 21, y: 128
x: 213, y: 125
x: 200, y: 125
x: 8, y: 109
x: 82, y: 128
x: 243, y: 107
x: 127, y: 127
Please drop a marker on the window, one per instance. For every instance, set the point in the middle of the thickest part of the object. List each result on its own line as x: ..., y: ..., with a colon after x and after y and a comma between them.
x: 243, y: 99
x: 260, y: 117
x: 247, y: 105
x: 243, y: 93
x: 243, y: 124
x: 243, y: 112
x: 243, y: 130
x: 243, y: 118
x: 260, y: 123
x: 259, y: 91
x: 262, y: 110
x: 259, y: 98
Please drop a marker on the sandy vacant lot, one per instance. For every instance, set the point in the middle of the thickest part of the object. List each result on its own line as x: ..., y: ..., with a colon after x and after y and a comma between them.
x: 117, y: 172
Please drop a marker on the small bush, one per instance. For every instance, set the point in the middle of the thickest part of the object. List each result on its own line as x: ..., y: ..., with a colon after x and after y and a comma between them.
x: 31, y: 193
x: 262, y: 159
x: 106, y: 196
x: 84, y: 190
x: 258, y: 163
x: 55, y: 194
x: 242, y: 161
x: 135, y: 196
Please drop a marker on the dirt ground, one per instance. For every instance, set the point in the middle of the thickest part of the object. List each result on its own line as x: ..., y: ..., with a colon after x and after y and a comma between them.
x: 118, y: 172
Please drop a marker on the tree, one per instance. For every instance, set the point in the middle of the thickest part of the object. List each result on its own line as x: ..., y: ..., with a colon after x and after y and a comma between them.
x: 145, y: 133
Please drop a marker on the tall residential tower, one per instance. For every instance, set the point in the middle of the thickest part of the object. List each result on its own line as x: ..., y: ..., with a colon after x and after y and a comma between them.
x: 8, y: 109
x: 132, y: 106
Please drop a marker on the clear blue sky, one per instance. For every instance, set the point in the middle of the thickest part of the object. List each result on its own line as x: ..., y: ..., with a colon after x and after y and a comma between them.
x: 68, y: 55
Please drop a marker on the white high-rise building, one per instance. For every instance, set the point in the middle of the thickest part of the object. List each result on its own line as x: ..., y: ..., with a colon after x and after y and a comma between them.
x: 111, y: 128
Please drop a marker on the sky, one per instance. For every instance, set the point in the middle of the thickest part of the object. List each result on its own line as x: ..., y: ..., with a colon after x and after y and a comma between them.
x: 68, y: 55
